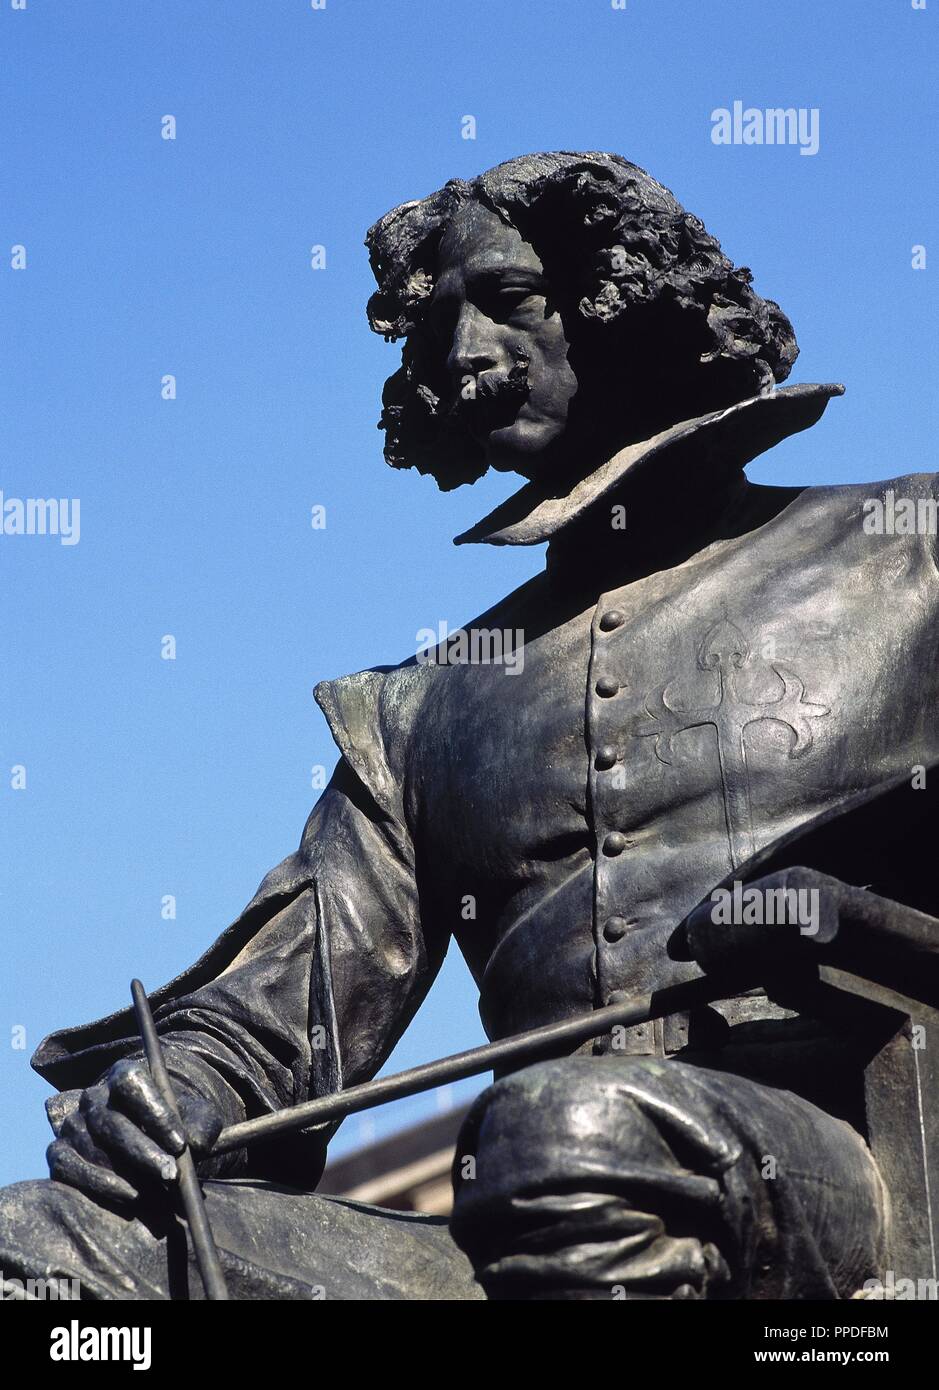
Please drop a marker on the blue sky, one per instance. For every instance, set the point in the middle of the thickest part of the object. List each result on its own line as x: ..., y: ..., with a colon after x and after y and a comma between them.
x: 145, y: 257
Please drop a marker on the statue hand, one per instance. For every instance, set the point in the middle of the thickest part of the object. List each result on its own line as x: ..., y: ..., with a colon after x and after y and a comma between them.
x: 772, y: 921
x: 756, y: 932
x: 122, y: 1137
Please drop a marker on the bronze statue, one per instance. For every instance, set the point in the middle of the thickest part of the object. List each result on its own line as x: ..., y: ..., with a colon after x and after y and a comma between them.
x: 592, y: 787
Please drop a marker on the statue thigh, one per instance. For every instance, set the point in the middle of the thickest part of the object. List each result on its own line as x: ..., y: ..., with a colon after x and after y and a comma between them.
x: 600, y: 1177
x: 274, y: 1243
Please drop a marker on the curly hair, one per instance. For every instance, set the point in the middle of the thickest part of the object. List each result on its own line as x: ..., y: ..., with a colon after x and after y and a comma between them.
x: 637, y: 280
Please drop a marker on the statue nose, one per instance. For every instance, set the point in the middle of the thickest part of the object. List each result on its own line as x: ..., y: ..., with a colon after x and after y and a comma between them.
x: 472, y: 351
x: 474, y: 365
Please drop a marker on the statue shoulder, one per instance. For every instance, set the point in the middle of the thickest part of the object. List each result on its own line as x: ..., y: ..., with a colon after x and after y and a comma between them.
x: 370, y: 714
x: 902, y: 505
x: 907, y: 505
x: 374, y: 714
x: 918, y: 484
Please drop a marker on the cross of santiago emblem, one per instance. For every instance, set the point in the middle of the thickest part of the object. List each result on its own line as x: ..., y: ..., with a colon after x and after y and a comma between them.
x: 725, y: 652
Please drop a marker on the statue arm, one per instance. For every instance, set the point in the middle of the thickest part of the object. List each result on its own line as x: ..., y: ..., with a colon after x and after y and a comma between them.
x: 305, y: 994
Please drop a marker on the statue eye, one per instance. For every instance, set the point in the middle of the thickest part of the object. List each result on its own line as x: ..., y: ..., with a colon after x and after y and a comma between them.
x: 509, y: 298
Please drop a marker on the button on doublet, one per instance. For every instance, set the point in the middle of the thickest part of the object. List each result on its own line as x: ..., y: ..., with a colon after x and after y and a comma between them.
x: 607, y: 686
x: 615, y: 928
x: 611, y: 620
x: 614, y: 843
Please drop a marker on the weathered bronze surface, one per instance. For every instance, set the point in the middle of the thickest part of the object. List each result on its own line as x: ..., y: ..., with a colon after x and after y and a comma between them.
x: 713, y: 685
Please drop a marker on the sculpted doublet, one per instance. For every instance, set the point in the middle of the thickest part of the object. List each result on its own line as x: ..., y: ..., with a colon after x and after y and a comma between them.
x: 651, y: 742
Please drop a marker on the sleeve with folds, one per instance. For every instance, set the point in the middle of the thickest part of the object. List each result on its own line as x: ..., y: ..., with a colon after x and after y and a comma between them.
x: 310, y: 989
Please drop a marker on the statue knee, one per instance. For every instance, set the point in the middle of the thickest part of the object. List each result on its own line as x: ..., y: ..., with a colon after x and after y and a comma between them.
x: 547, y: 1117
x: 563, y: 1167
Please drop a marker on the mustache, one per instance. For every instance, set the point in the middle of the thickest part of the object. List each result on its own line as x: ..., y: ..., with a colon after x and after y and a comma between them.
x: 492, y: 399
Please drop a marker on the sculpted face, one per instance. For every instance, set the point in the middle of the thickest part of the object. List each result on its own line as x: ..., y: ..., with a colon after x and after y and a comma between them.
x: 589, y: 313
x: 506, y: 350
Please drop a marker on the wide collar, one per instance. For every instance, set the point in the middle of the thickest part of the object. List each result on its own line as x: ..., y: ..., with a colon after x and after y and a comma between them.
x: 736, y: 435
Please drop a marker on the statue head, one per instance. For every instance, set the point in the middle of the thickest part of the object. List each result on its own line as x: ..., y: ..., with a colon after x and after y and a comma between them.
x: 554, y: 309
